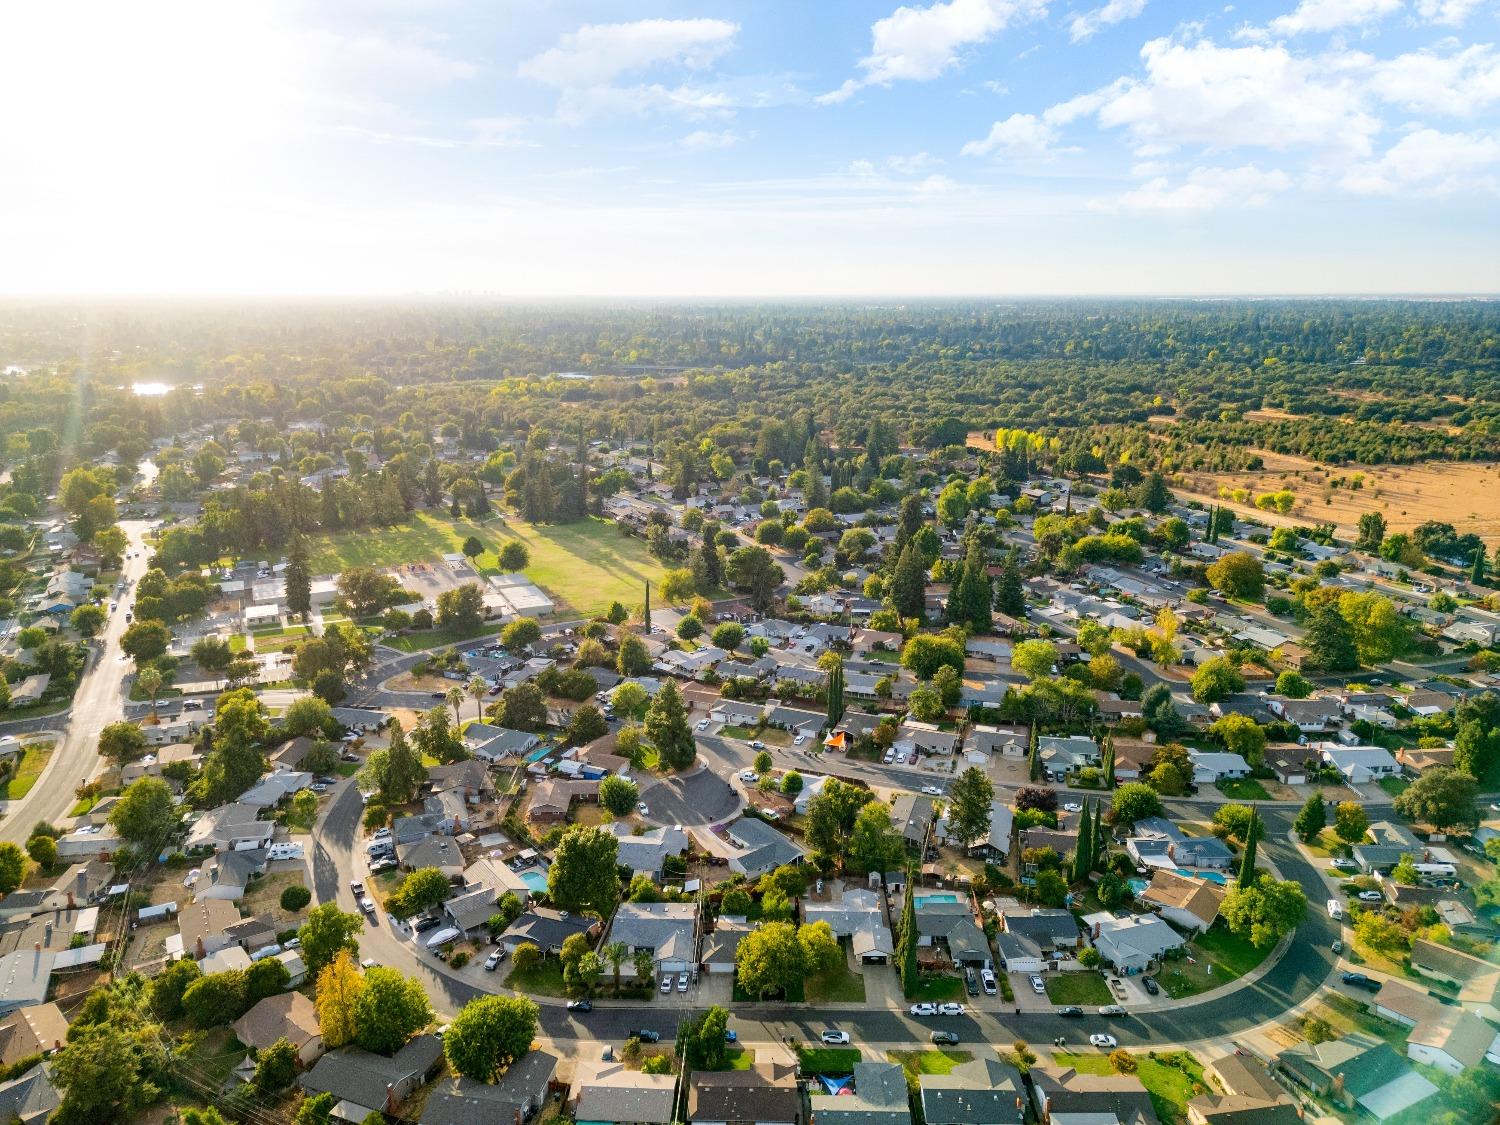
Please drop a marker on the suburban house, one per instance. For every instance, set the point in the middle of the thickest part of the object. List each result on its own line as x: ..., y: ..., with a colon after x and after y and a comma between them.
x: 513, y: 1097
x: 29, y: 1099
x: 950, y: 927
x: 1478, y: 981
x: 1157, y: 842
x: 1443, y: 1036
x: 545, y: 928
x: 1292, y: 764
x: 228, y: 827
x: 1054, y: 933
x: 287, y: 1015
x: 1133, y: 942
x: 1308, y: 715
x: 1357, y: 1071
x: 995, y: 843
x: 371, y: 1083
x: 1190, y: 904
x: 1008, y: 743
x: 490, y: 743
x: 980, y: 1092
x: 760, y: 848
x: 1361, y: 764
x: 38, y: 1029
x: 606, y: 1092
x: 879, y: 1098
x: 911, y: 816
x: 1062, y: 754
x: 766, y: 1094
x: 552, y: 799
x: 858, y: 915
x: 647, y: 853
x: 1388, y: 842
x: 1061, y: 1094
x: 1213, y: 766
x: 669, y: 930
x: 202, y: 927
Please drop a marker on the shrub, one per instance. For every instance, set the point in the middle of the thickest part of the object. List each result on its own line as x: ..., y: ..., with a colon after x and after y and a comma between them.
x: 459, y: 959
x: 295, y: 897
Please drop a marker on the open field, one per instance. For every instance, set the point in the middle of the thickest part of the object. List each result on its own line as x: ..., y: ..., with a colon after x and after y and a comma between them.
x: 584, y: 566
x: 1461, y: 493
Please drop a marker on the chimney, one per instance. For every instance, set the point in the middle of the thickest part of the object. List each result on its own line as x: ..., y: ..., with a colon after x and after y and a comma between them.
x: 390, y: 1099
x: 71, y: 904
x: 201, y: 951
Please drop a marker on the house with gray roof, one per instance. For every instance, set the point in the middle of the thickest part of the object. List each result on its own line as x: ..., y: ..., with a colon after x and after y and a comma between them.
x: 859, y: 915
x: 766, y: 1094
x: 669, y: 930
x: 1132, y: 942
x: 981, y: 1092
x: 911, y: 816
x: 761, y: 848
x: 515, y: 1096
x: 645, y: 854
x: 606, y: 1092
x: 1387, y: 842
x: 29, y: 1099
x: 371, y: 1083
x: 879, y: 1098
x: 1357, y: 1071
x: 951, y: 926
x: 545, y: 928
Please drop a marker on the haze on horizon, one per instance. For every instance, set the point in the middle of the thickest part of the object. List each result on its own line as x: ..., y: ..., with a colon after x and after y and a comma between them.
x: 703, y: 148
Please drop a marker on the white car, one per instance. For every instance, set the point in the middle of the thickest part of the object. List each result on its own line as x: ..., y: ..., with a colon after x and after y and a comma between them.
x: 924, y: 1009
x: 666, y: 983
x: 932, y: 790
x: 901, y: 757
x: 987, y: 980
x: 1038, y: 985
x: 192, y: 877
x: 749, y: 775
x: 1370, y: 896
x: 642, y: 809
x: 702, y: 724
x: 950, y: 1009
x: 834, y: 1038
x: 1072, y: 806
x: 1107, y: 1042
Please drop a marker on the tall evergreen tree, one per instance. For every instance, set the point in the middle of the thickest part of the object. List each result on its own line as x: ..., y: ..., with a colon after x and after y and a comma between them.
x: 1010, y: 596
x: 910, y: 519
x: 1034, y: 756
x: 1330, y: 641
x: 1097, y: 838
x: 908, y: 950
x: 1312, y: 818
x: 969, y: 597
x: 835, y: 694
x: 1476, y: 572
x: 1083, y: 851
x: 1109, y: 761
x: 1247, y: 861
x: 298, y: 580
x: 1153, y: 495
x: 909, y: 584
x: 646, y: 612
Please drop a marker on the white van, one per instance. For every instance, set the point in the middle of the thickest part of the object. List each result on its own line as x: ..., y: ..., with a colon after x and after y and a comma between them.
x: 1436, y: 870
x: 1335, y: 909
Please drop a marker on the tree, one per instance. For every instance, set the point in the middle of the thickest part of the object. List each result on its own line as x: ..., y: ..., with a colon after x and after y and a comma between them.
x: 307, y: 716
x: 520, y: 633
x: 145, y: 814
x: 820, y: 949
x: 435, y: 736
x: 925, y: 653
x: 584, y: 873
x: 43, y: 851
x: 1241, y: 735
x: 514, y: 556
x: 1034, y: 659
x: 212, y: 654
x: 1405, y: 872
x: 668, y: 729
x: 472, y: 548
x: 87, y: 619
x: 632, y: 659
x: 1311, y: 819
x: 420, y: 890
x: 121, y: 742
x: 316, y: 1109
x: 703, y: 1040
x: 276, y: 1065
x: 295, y: 897
x: 969, y: 805
x: 1238, y: 575
x: 164, y: 993
x: 1233, y: 819
x: 1153, y: 494
x: 1083, y: 851
x: 389, y: 1010
x: 751, y: 569
x: 1266, y: 911
x: 769, y: 959
x: 1442, y: 797
x: 761, y: 763
x: 216, y: 999
x: 1216, y: 679
x: 1134, y: 801
x: 1293, y: 685
x: 365, y: 591
x: 618, y: 795
x: 873, y: 844
x: 836, y: 692
x: 1330, y: 641
x: 400, y: 773
x: 327, y: 932
x: 298, y: 580
x: 1371, y: 531
x: 1476, y: 570
x: 144, y: 641
x: 1247, y: 860
x: 1380, y: 633
x: 791, y: 783
x: 1350, y: 822
x: 109, y: 1071
x: 12, y: 867
x: 489, y: 1033
x: 339, y: 986
x: 926, y: 705
x: 523, y: 707
x: 587, y: 724
x: 461, y: 609
x: 677, y: 586
x: 526, y: 957
x: 909, y: 583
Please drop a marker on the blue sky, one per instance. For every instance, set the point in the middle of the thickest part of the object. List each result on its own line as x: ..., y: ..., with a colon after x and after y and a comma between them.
x: 704, y: 148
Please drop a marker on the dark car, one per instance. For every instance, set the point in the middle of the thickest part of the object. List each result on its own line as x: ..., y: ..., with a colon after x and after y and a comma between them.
x: 944, y: 1038
x: 1359, y: 980
x: 1070, y: 1010
x: 425, y: 923
x: 646, y: 1035
x: 1151, y: 985
x: 971, y: 982
x: 580, y: 1005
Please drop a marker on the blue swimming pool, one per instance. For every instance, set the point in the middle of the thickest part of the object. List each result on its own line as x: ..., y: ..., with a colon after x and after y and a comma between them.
x: 922, y: 900
x: 1207, y: 876
x: 1137, y: 885
x: 536, y: 879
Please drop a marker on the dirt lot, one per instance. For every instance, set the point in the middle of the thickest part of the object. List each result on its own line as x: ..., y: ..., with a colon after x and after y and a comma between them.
x: 1465, y: 494
x: 263, y: 899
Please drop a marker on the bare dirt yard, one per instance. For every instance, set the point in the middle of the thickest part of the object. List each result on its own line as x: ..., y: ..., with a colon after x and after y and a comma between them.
x: 1465, y: 494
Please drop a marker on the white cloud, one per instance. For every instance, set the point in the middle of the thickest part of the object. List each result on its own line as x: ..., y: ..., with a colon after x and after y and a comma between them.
x: 1329, y: 15
x: 1460, y: 83
x: 598, y: 53
x: 1021, y: 135
x: 1226, y: 97
x: 1204, y: 189
x: 1428, y: 162
x: 1450, y: 12
x: 708, y: 138
x: 911, y: 165
x: 919, y: 44
x: 1090, y: 23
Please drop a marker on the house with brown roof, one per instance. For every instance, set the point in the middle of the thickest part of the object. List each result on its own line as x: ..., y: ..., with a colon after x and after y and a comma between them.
x: 552, y: 800
x: 288, y: 1015
x: 36, y: 1030
x: 203, y: 927
x: 1190, y: 904
x: 766, y: 1094
x: 1478, y: 980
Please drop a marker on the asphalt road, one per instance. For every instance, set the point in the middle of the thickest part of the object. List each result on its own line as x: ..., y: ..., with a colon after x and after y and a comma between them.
x: 99, y: 701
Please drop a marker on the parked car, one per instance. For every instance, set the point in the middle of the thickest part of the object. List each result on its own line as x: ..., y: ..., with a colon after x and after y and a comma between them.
x: 1104, y: 1042
x: 702, y: 724
x: 832, y: 1038
x: 1072, y: 806
x: 987, y: 980
x: 950, y: 1009
x: 1360, y: 980
x: 357, y: 887
x: 932, y: 790
x: 757, y: 745
x: 749, y: 775
x: 1345, y: 864
x: 971, y: 982
x: 1112, y: 1010
x: 1150, y: 985
x: 924, y: 1009
x: 666, y: 983
x: 1370, y: 896
x: 682, y: 982
x: 1071, y: 1010
x: 580, y: 1005
x: 1038, y: 985
x: 646, y: 1035
x: 492, y: 962
x: 425, y: 923
x: 944, y: 1038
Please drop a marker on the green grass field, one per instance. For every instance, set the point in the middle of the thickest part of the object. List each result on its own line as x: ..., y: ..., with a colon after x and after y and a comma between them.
x: 1243, y: 789
x: 584, y: 566
x: 930, y: 1062
x: 1219, y: 957
x: 28, y: 769
x: 1078, y: 988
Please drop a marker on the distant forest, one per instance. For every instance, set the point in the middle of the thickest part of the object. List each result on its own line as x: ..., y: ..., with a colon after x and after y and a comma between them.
x: 1170, y: 383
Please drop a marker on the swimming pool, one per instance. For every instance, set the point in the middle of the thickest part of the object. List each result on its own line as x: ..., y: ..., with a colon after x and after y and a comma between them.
x: 1136, y: 886
x: 536, y: 880
x: 1206, y: 876
x: 922, y: 900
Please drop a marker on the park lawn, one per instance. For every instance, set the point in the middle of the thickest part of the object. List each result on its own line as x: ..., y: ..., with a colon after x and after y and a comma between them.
x: 584, y: 565
x: 828, y: 1060
x: 930, y: 1062
x: 434, y: 638
x: 1218, y: 958
x: 1078, y: 988
x: 28, y: 769
x: 1243, y: 789
x: 838, y: 986
x: 1170, y: 1087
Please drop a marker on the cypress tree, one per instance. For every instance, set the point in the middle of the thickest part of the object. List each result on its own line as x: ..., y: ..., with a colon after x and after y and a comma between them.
x: 1098, y: 837
x: 298, y: 580
x: 1034, y: 756
x: 835, y: 694
x: 1083, y: 851
x: 1109, y: 761
x: 908, y: 952
x: 1247, y: 861
x: 646, y: 613
x: 1476, y: 573
x: 1010, y: 598
x: 909, y: 584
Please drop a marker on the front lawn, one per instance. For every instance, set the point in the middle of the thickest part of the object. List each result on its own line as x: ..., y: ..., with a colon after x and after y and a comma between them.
x: 1218, y: 958
x: 584, y: 565
x: 828, y: 1060
x: 930, y: 1062
x: 1078, y: 988
x: 1171, y: 1078
x: 1393, y: 786
x: 936, y: 988
x: 545, y: 978
x: 836, y: 987
x: 1243, y: 789
x: 33, y: 760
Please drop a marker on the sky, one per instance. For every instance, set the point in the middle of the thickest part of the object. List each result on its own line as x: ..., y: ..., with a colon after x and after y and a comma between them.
x: 703, y: 148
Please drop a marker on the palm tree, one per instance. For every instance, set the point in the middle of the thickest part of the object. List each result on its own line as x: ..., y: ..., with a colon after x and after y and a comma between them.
x: 478, y: 689
x: 616, y: 953
x: 149, y: 680
x: 454, y: 696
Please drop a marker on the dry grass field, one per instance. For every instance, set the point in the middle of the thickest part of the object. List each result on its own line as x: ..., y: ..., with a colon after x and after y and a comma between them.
x: 1465, y: 494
